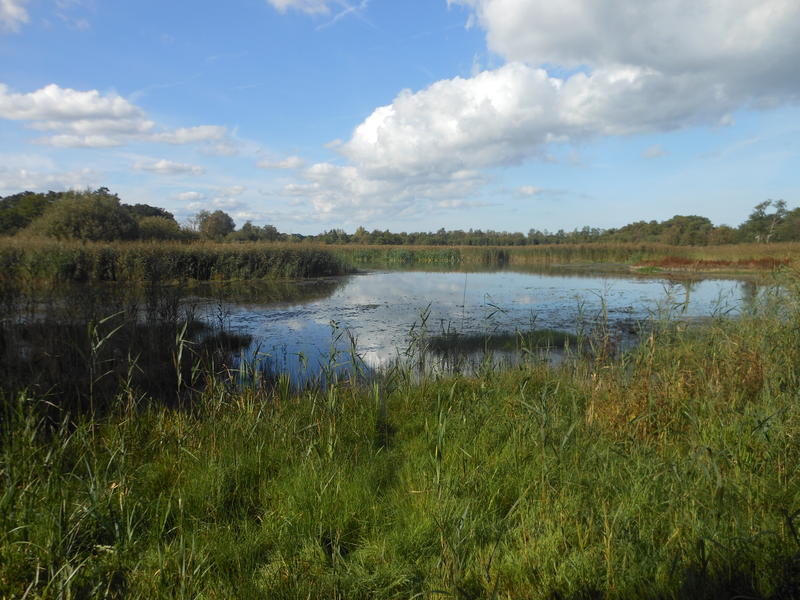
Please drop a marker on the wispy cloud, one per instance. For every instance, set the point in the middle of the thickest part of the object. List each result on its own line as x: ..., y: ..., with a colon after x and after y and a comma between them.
x: 347, y: 9
x: 290, y: 162
x: 653, y: 152
x: 168, y: 167
x: 13, y: 14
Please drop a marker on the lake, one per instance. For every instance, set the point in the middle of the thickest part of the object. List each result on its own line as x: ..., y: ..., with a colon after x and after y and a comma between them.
x: 316, y: 324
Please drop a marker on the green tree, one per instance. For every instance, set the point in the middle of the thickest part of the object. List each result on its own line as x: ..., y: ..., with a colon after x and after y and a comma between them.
x: 88, y: 215
x: 214, y: 226
x: 761, y: 225
x: 19, y: 210
x: 159, y: 228
x: 140, y: 211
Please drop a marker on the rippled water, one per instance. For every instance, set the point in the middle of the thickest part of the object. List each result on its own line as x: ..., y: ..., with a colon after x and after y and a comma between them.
x: 381, y: 311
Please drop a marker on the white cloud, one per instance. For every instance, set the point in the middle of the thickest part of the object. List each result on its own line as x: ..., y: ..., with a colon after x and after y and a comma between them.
x: 54, y: 103
x: 306, y: 6
x: 528, y: 190
x: 189, y: 135
x: 90, y: 119
x: 13, y: 14
x: 13, y: 180
x: 290, y: 162
x: 168, y: 167
x: 748, y: 47
x: 190, y: 196
x: 78, y: 141
x: 577, y: 69
x: 653, y: 151
x: 336, y: 191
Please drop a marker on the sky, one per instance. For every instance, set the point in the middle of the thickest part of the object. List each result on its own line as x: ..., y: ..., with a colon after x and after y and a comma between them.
x: 407, y: 115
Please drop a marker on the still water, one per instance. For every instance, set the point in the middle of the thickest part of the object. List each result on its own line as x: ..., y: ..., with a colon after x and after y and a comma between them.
x: 380, y: 313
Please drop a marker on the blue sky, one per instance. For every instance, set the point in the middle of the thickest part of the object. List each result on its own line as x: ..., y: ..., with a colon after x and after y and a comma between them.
x: 413, y: 115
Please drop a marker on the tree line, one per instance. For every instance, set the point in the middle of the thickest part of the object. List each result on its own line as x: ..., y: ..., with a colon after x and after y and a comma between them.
x: 100, y: 215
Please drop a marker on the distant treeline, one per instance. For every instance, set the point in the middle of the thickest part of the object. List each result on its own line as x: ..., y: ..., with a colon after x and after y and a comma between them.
x: 99, y: 215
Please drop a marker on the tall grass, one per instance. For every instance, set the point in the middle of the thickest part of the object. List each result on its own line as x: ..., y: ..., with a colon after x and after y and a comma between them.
x: 671, y: 471
x: 51, y: 261
x: 728, y: 257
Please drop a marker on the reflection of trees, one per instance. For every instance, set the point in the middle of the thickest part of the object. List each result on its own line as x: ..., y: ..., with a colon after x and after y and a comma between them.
x: 749, y: 294
x: 270, y: 292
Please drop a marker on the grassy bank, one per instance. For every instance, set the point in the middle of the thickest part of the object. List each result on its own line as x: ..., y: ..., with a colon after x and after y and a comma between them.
x: 49, y: 261
x: 669, y: 472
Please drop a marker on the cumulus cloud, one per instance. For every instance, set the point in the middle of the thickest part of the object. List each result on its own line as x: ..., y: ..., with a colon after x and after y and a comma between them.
x: 730, y: 39
x: 290, y: 162
x: 168, y: 167
x: 91, y: 119
x: 13, y: 14
x: 576, y: 70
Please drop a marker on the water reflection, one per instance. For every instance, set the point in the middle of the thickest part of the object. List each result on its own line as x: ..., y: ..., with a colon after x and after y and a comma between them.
x: 305, y: 328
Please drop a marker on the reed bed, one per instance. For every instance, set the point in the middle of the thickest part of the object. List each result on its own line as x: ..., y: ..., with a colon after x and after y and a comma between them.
x: 740, y: 257
x: 51, y: 261
x: 669, y: 471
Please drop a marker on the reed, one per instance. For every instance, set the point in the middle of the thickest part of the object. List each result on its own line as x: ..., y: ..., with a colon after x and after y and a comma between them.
x: 51, y: 261
x: 740, y: 257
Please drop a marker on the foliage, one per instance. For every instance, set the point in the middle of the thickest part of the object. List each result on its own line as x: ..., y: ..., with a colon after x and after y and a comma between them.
x: 214, y: 226
x: 253, y: 233
x: 89, y: 216
x: 159, y: 228
x: 17, y: 211
x: 760, y: 225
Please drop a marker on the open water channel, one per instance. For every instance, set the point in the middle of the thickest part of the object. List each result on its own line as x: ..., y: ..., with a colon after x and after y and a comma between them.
x: 381, y: 314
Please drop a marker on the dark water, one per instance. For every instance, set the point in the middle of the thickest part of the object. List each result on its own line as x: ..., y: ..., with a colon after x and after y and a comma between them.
x: 380, y: 314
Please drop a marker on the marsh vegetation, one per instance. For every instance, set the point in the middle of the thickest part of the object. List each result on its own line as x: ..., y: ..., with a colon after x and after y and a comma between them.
x: 145, y: 452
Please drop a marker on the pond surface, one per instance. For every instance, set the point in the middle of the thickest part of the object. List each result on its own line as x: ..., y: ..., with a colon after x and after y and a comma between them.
x: 382, y: 313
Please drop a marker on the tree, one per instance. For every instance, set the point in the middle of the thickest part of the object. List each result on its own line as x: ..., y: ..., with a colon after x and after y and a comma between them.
x: 159, y: 228
x: 140, y: 211
x: 17, y: 211
x: 214, y: 226
x: 760, y: 225
x: 87, y: 215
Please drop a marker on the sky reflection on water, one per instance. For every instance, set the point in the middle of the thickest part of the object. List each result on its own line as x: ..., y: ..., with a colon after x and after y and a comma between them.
x: 379, y: 309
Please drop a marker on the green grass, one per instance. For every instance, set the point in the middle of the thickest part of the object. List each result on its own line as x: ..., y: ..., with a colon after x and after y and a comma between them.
x: 672, y: 471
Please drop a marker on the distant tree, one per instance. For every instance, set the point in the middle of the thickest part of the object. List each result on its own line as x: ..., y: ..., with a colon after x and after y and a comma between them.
x: 140, y: 211
x: 214, y: 226
x: 761, y: 225
x: 789, y: 228
x: 722, y: 235
x: 683, y: 230
x: 88, y: 215
x: 159, y: 228
x: 361, y: 236
x: 253, y: 233
x: 19, y: 210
